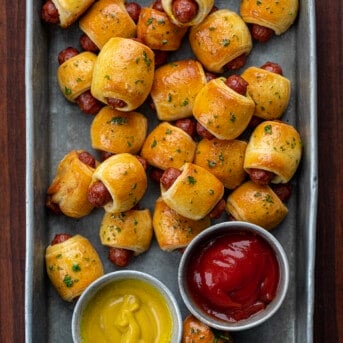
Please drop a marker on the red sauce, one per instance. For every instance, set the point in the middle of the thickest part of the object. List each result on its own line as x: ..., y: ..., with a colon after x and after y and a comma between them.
x: 234, y: 276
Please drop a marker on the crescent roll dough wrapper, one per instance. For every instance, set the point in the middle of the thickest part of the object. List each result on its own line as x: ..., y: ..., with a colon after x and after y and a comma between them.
x: 157, y: 31
x: 221, y: 110
x: 69, y: 187
x: 224, y: 159
x: 276, y: 147
x: 256, y: 204
x: 174, y: 231
x: 276, y: 15
x: 219, y: 39
x: 130, y: 230
x: 72, y: 265
x: 125, y: 179
x: 175, y: 87
x: 107, y: 19
x: 270, y: 91
x: 75, y: 75
x: 204, y: 8
x: 194, y: 193
x: 124, y: 70
x: 117, y: 132
x: 168, y: 146
x: 70, y: 10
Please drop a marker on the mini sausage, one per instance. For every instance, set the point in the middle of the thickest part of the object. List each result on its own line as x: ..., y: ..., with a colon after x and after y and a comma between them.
x: 66, y: 54
x: 272, y: 67
x: 237, y: 83
x: 133, y: 9
x: 120, y: 257
x: 156, y: 174
x: 161, y: 57
x: 218, y: 210
x: 260, y: 176
x: 282, y: 190
x: 60, y: 238
x: 52, y: 206
x: 87, y: 44
x: 98, y: 195
x: 116, y: 103
x: 50, y: 13
x: 188, y: 125
x: 261, y: 33
x: 236, y: 63
x: 143, y: 162
x: 157, y: 5
x: 169, y: 176
x: 203, y: 132
x: 88, y: 104
x: 86, y: 158
x: 184, y: 10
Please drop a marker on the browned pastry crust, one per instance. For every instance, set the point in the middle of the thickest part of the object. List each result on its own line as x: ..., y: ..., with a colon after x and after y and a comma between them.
x: 70, y: 10
x: 124, y: 70
x: 107, y: 19
x: 157, y: 31
x: 130, y: 230
x: 70, y: 186
x: 221, y: 110
x: 168, y: 146
x: 124, y: 177
x: 75, y: 75
x: 276, y: 147
x: 72, y: 265
x: 256, y: 204
x: 224, y: 159
x: 175, y: 87
x: 117, y: 132
x: 172, y: 230
x: 194, y: 193
x: 276, y: 15
x: 220, y: 38
x: 271, y: 92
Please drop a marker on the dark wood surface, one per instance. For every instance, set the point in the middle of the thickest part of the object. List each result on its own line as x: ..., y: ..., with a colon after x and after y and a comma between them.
x: 328, y: 316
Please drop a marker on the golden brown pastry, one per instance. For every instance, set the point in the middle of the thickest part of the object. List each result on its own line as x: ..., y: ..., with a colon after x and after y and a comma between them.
x: 195, y: 331
x: 274, y: 147
x: 172, y: 230
x: 270, y: 91
x: 168, y: 146
x: 175, y: 87
x: 275, y: 15
x: 194, y: 193
x: 107, y: 19
x: 224, y: 112
x: 68, y: 191
x: 256, y: 204
x: 117, y: 132
x: 219, y: 39
x: 124, y: 178
x: 123, y: 74
x: 224, y: 159
x: 75, y: 75
x: 130, y: 230
x: 72, y: 264
x: 182, y: 15
x: 64, y: 12
x: 156, y: 30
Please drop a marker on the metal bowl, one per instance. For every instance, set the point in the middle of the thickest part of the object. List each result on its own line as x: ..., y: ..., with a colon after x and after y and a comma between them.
x: 111, y: 278
x: 195, y: 249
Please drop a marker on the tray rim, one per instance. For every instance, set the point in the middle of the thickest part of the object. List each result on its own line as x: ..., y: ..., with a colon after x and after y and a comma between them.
x: 312, y: 177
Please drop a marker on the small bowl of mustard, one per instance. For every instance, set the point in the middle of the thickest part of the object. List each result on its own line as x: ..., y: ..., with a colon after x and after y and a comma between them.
x: 127, y: 306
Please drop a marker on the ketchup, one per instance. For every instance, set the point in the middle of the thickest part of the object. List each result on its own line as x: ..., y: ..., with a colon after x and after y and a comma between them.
x: 235, y: 276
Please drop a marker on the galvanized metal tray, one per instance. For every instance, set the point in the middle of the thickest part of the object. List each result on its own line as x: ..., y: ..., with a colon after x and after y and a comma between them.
x: 54, y: 127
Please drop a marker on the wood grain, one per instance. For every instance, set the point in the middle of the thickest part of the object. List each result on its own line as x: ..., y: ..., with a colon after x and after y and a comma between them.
x: 328, y: 317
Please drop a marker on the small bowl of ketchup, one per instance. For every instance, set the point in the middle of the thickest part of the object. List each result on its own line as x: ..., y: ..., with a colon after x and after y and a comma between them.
x: 233, y: 276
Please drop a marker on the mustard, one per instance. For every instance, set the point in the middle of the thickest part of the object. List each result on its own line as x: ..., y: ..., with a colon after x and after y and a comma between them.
x: 127, y: 311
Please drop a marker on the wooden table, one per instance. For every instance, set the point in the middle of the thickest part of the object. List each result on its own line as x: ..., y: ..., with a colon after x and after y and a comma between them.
x: 328, y: 318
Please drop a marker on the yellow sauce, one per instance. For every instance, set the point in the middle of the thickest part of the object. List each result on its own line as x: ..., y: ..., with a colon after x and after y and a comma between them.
x: 127, y: 311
